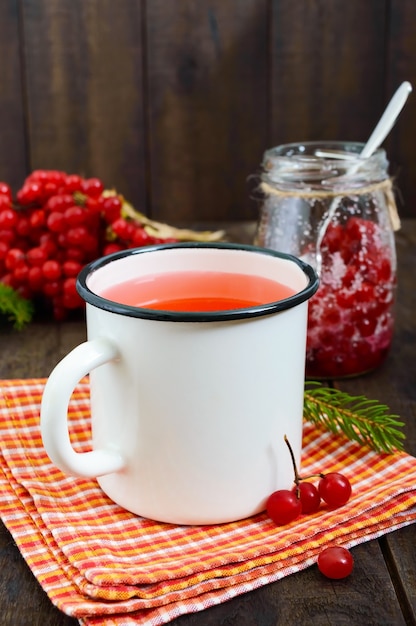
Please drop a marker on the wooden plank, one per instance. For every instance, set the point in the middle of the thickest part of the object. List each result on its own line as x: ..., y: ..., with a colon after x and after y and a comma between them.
x: 399, y: 553
x: 367, y: 597
x: 394, y: 385
x: 327, y: 70
x: 83, y: 63
x: 12, y: 116
x: 207, y: 115
x: 401, y: 65
x: 22, y: 599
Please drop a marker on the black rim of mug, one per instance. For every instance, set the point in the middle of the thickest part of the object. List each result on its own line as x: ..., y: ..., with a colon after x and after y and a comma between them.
x: 210, y: 316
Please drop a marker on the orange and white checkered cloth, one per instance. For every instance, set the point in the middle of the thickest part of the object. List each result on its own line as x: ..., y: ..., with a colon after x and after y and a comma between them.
x: 106, y: 566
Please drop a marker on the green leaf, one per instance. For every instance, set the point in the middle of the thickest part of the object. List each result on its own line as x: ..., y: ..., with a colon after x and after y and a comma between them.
x: 14, y: 308
x: 365, y: 421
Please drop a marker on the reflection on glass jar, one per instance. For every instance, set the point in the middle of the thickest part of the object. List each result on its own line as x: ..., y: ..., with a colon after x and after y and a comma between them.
x: 338, y: 213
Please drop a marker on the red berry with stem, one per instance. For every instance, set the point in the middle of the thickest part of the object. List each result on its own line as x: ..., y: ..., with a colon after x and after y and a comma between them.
x: 335, y: 489
x: 335, y: 562
x: 308, y: 495
x: 283, y: 506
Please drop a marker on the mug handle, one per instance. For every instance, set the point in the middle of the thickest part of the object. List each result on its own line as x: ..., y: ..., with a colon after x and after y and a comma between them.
x: 54, y: 411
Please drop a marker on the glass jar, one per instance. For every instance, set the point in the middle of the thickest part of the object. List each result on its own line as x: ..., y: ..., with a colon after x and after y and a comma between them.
x: 325, y: 205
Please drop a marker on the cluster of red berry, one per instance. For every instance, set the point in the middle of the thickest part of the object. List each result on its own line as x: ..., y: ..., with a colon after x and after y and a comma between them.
x: 285, y: 505
x: 350, y: 321
x: 56, y: 224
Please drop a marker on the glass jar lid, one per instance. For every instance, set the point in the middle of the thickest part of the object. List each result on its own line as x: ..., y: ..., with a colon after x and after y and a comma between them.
x: 301, y: 166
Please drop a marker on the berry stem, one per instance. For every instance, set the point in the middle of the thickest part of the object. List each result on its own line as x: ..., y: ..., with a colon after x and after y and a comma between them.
x: 292, y: 456
x: 299, y: 478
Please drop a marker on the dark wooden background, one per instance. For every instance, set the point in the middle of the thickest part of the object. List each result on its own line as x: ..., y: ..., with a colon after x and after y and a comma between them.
x: 173, y: 102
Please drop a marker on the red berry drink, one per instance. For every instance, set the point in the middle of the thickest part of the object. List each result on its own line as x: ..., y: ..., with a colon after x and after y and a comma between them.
x: 198, y: 291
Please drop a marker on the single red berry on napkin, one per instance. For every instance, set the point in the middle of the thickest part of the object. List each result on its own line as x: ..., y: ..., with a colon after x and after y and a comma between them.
x: 335, y: 489
x: 283, y: 506
x: 335, y: 562
x: 308, y: 495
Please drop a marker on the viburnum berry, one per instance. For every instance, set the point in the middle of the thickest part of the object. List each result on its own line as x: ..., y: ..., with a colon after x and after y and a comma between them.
x: 51, y: 288
x: 74, y: 216
x: 59, y: 225
x: 335, y: 489
x: 51, y: 270
x: 37, y: 218
x: 72, y: 183
x: 37, y: 255
x: 111, y: 208
x: 122, y: 228
x: 75, y: 254
x: 23, y: 226
x: 70, y: 297
x: 14, y: 258
x: 141, y: 238
x: 56, y: 222
x: 59, y: 203
x: 335, y: 562
x: 7, y: 235
x: 71, y: 268
x: 8, y: 218
x: 308, y: 495
x: 111, y: 248
x: 283, y: 506
x: 29, y: 193
x: 48, y: 244
x: 92, y: 187
x: 93, y: 204
x: 5, y: 190
x: 21, y: 273
x: 35, y: 278
x: 77, y: 236
x: 4, y: 248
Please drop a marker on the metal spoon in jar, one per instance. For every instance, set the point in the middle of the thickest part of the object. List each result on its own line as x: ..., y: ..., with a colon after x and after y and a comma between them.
x: 382, y: 129
x: 376, y: 138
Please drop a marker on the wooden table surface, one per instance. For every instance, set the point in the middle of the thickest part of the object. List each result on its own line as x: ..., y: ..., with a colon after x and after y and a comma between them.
x: 382, y: 589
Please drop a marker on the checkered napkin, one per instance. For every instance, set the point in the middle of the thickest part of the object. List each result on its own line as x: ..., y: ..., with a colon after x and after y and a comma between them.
x: 106, y: 566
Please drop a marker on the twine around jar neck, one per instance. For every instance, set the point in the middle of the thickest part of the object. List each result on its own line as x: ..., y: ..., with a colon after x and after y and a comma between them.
x: 385, y: 186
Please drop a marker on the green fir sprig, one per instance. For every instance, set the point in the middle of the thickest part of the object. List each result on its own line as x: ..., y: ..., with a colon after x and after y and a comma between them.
x: 365, y: 421
x: 15, y: 309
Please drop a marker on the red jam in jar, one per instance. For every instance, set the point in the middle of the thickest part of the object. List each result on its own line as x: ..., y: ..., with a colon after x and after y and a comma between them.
x: 338, y: 214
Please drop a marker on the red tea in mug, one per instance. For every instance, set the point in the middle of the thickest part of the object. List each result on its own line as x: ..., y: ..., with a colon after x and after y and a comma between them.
x: 197, y: 291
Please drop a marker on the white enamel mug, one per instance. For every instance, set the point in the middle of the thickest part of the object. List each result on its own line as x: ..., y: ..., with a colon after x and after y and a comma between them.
x: 188, y: 410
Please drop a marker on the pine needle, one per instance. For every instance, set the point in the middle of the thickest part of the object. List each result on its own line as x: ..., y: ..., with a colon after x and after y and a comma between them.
x: 14, y: 308
x: 365, y: 421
